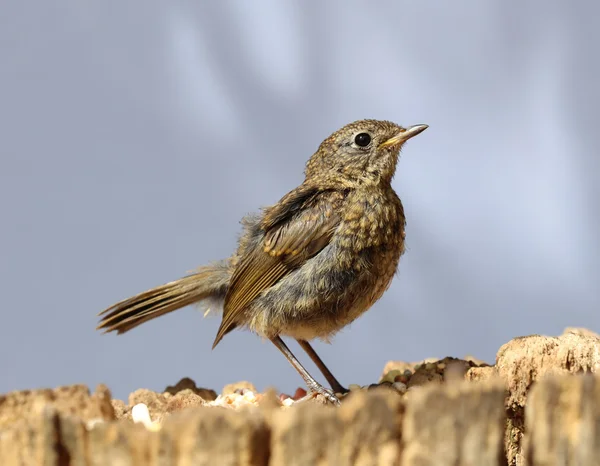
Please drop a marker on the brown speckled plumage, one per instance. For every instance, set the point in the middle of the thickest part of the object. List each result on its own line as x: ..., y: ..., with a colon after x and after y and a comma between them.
x: 310, y: 264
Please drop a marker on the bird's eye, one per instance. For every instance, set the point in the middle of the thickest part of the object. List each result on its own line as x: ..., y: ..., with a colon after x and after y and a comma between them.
x: 362, y: 139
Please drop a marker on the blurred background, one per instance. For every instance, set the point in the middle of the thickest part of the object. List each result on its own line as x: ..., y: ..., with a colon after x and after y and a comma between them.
x: 135, y: 135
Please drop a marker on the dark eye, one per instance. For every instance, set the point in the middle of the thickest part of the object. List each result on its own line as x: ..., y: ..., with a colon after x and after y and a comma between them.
x: 362, y: 139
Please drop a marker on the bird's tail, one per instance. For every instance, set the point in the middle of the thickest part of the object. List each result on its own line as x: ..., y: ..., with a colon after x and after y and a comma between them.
x: 209, y: 282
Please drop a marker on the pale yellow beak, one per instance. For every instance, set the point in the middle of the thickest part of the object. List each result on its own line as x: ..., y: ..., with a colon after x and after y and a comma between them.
x: 404, y: 135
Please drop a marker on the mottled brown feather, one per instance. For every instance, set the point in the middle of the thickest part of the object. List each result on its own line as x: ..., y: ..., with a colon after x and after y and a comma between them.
x: 129, y: 313
x: 298, y: 228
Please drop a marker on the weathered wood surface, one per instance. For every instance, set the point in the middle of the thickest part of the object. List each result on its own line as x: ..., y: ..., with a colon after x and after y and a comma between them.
x: 454, y: 425
x: 539, y: 405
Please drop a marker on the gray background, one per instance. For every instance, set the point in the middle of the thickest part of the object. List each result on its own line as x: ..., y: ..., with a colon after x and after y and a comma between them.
x: 135, y: 135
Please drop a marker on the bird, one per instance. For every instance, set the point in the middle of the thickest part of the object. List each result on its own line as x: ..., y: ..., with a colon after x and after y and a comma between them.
x: 308, y: 265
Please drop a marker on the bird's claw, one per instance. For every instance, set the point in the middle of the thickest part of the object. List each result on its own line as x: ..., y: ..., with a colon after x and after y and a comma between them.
x: 327, y: 394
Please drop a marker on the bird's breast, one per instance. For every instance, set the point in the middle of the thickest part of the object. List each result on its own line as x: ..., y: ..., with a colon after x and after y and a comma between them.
x: 372, y: 228
x: 344, y: 280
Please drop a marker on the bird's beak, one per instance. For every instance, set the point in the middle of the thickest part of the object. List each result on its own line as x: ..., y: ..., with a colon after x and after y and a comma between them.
x: 404, y: 135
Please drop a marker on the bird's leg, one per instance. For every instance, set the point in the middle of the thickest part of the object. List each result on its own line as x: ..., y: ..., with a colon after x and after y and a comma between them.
x: 335, y: 385
x: 314, y: 387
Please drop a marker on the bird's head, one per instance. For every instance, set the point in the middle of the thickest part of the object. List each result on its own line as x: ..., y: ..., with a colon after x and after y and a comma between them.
x: 365, y: 151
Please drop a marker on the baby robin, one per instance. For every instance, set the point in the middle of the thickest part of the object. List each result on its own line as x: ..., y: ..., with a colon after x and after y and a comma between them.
x: 310, y: 264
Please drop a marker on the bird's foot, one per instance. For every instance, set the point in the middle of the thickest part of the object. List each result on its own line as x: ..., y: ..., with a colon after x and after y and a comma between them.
x: 338, y: 389
x: 326, y: 394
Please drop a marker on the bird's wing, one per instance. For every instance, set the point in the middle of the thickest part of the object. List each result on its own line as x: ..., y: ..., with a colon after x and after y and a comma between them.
x: 296, y: 229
